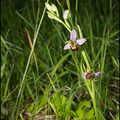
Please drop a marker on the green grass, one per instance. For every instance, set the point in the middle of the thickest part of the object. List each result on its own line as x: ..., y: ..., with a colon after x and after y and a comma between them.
x: 41, y: 80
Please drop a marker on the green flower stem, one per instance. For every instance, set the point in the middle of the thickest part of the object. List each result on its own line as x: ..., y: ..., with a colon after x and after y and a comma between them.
x: 94, y: 99
x: 86, y: 59
x: 89, y: 84
x: 80, y: 33
x: 66, y: 26
x: 76, y: 9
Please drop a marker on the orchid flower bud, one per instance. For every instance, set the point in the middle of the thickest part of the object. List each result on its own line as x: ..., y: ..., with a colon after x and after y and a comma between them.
x: 66, y: 14
x: 52, y: 9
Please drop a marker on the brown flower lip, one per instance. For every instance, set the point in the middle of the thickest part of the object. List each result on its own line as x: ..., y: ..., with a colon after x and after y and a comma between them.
x: 90, y: 75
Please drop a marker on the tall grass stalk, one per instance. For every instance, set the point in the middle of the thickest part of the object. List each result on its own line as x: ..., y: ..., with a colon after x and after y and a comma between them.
x: 103, y: 54
x: 27, y: 66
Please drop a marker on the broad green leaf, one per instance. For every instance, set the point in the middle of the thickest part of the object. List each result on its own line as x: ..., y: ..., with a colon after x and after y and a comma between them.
x: 58, y: 101
x: 90, y: 114
x: 40, y: 104
x: 84, y: 104
x: 80, y: 113
x: 72, y: 113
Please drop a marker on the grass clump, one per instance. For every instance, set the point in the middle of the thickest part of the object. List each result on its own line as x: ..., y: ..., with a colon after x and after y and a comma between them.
x: 42, y: 81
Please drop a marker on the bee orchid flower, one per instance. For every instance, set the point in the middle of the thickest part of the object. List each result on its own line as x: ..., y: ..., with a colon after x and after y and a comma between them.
x: 90, y: 75
x: 73, y: 43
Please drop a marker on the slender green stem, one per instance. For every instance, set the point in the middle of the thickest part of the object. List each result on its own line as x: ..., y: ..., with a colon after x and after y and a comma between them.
x: 93, y: 97
x: 91, y: 84
x: 66, y: 26
x: 27, y: 66
x: 76, y: 9
x: 68, y: 5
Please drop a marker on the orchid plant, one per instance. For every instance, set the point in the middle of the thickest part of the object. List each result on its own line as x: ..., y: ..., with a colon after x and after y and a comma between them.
x: 73, y: 44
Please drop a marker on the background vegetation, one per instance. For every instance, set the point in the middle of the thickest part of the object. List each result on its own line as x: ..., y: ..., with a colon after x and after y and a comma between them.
x: 39, y: 80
